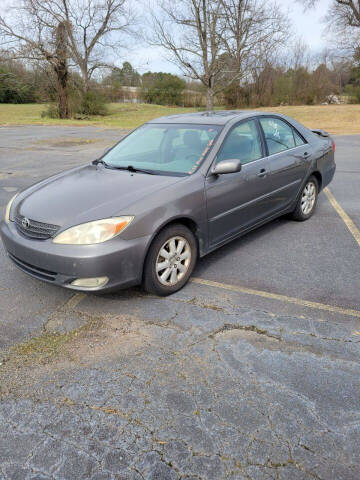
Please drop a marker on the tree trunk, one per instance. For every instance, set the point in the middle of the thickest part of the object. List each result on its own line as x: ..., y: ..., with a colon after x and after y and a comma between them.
x: 61, y: 70
x: 85, y: 77
x: 209, y: 99
x: 62, y: 90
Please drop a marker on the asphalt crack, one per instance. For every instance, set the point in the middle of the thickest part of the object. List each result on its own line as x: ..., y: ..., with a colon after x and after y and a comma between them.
x: 247, y: 328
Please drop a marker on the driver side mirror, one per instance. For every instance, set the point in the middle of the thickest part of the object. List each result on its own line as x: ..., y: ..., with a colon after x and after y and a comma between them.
x: 227, y: 166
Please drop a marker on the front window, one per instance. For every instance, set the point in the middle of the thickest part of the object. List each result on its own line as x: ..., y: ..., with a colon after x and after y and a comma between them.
x: 164, y: 148
x: 242, y: 143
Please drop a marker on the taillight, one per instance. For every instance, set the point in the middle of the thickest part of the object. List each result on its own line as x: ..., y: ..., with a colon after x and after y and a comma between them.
x: 333, y: 145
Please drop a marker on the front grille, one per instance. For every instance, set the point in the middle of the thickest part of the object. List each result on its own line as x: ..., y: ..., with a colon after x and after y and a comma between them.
x: 32, y: 270
x: 33, y: 229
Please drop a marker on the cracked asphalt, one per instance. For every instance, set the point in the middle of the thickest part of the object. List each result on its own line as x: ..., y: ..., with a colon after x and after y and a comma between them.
x: 210, y: 383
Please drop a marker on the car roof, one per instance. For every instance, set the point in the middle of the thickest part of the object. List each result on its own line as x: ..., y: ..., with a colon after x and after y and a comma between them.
x: 223, y: 117
x: 217, y: 117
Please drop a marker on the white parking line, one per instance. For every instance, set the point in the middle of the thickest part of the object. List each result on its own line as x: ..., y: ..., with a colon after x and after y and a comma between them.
x: 343, y: 215
x: 276, y: 296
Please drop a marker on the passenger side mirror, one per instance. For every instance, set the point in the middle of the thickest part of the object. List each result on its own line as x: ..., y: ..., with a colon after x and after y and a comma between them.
x: 227, y: 166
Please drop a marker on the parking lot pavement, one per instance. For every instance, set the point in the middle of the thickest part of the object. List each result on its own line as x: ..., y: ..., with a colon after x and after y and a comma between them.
x: 346, y: 188
x: 250, y: 372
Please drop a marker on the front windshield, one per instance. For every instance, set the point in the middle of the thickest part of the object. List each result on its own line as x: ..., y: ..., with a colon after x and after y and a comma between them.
x: 164, y: 148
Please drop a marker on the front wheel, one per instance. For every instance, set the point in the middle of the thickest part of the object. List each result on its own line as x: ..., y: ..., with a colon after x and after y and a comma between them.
x: 307, y: 200
x: 170, y: 260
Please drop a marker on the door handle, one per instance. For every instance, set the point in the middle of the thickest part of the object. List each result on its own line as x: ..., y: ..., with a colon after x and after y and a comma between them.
x: 306, y: 155
x: 263, y: 172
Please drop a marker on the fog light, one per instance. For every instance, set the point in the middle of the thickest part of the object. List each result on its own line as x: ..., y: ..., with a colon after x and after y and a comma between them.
x: 90, y: 282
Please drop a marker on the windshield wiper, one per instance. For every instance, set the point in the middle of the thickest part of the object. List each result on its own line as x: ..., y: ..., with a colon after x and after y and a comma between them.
x: 130, y: 168
x: 142, y: 170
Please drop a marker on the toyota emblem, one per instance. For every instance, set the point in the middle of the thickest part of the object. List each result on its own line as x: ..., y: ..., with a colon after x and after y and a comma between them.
x: 25, y: 222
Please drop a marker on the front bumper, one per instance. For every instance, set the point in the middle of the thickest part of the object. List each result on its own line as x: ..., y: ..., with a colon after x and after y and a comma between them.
x: 119, y: 260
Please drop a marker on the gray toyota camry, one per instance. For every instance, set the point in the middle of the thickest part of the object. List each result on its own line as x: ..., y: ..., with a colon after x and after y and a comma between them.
x: 171, y: 191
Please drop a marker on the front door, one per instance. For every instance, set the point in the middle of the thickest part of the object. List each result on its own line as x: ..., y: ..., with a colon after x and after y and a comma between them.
x: 235, y: 201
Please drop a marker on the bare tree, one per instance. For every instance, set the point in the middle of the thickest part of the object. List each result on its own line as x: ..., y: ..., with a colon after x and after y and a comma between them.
x: 190, y: 31
x: 216, y: 41
x: 346, y: 13
x: 343, y: 18
x: 255, y: 31
x: 30, y: 37
x: 94, y: 28
x: 89, y: 28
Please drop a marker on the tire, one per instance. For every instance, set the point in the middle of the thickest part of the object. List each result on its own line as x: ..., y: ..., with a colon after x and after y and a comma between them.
x: 163, y: 260
x: 307, y: 200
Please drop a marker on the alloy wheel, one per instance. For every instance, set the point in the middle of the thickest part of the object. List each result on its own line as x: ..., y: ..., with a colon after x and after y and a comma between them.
x: 173, y: 260
x: 308, y: 198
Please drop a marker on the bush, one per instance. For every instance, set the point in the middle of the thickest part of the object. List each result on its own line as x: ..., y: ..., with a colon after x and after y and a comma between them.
x: 52, y: 111
x: 163, y: 89
x: 353, y: 91
x: 80, y: 107
x: 16, y: 88
x: 92, y: 103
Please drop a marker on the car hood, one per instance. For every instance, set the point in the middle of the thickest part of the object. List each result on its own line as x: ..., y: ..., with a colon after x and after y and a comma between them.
x: 88, y: 193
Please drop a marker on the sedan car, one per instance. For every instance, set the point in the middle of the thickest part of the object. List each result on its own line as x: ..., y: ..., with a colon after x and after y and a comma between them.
x: 168, y: 193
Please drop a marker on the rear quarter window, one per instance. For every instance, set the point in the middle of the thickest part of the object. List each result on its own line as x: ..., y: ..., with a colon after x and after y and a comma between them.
x: 298, y: 139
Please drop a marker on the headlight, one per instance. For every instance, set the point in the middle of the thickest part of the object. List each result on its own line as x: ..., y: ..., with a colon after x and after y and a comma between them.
x: 93, y: 232
x: 8, y: 208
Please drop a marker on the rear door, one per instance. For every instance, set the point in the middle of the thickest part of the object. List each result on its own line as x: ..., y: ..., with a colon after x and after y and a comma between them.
x: 289, y: 159
x: 235, y: 201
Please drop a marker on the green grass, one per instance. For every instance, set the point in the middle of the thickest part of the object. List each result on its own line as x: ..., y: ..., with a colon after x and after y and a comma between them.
x: 122, y: 115
x: 336, y: 119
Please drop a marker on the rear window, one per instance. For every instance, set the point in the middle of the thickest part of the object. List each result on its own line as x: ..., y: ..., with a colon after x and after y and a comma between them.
x: 278, y: 135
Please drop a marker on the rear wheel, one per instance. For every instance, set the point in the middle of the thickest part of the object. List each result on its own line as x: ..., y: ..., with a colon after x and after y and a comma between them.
x: 170, y: 260
x: 307, y: 200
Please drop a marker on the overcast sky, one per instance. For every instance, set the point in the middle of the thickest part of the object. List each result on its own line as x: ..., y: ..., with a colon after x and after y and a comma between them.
x: 307, y: 25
